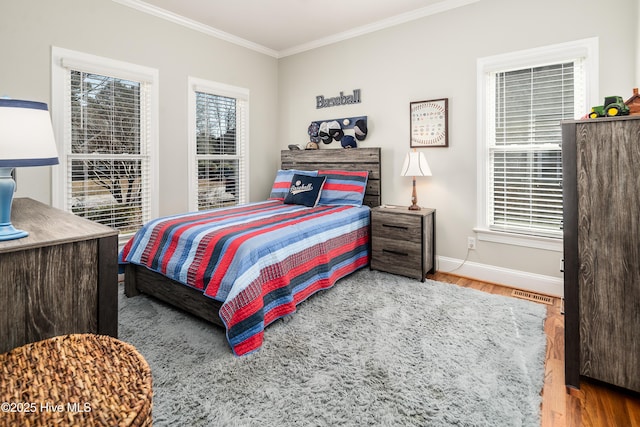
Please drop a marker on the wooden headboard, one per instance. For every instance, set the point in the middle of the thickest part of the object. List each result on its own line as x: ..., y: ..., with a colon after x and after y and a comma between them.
x: 351, y: 159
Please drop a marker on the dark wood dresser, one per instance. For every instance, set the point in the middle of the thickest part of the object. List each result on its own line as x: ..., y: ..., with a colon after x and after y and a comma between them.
x: 61, y: 279
x: 403, y: 241
x: 601, y: 191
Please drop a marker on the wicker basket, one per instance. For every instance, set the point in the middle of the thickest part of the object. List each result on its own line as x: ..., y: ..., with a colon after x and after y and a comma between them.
x: 80, y: 379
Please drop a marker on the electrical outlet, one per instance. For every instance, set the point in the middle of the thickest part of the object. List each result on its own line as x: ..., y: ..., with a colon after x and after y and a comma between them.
x: 471, y: 242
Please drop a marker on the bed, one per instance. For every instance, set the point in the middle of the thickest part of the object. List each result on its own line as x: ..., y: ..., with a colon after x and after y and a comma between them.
x: 245, y: 289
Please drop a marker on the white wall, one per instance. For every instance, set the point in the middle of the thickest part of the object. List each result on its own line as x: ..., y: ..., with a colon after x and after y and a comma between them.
x: 29, y: 28
x: 435, y: 57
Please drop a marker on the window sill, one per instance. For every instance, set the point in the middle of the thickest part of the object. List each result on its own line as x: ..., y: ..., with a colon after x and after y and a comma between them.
x: 546, y: 243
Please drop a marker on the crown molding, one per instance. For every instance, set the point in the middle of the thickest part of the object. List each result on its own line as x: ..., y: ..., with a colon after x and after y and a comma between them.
x: 194, y: 25
x: 433, y: 9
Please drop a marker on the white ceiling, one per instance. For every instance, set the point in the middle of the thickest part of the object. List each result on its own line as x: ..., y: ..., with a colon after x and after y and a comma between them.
x: 285, y: 27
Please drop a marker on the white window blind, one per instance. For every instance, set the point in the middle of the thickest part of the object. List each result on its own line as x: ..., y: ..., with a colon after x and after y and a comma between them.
x: 220, y: 153
x: 107, y: 150
x: 524, y: 146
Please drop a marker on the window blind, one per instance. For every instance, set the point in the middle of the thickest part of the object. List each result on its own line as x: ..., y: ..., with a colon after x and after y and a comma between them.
x: 107, y: 150
x: 220, y: 150
x: 525, y: 147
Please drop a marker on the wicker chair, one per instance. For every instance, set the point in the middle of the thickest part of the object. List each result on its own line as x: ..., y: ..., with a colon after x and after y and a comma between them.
x: 80, y: 379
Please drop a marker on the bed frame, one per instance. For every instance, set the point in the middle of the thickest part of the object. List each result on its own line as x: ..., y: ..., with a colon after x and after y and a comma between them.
x: 139, y: 279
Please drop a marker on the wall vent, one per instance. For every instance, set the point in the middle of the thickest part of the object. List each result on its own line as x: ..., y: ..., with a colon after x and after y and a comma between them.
x: 532, y: 297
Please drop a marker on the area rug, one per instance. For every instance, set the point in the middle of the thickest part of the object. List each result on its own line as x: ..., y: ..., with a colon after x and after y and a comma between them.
x: 375, y: 350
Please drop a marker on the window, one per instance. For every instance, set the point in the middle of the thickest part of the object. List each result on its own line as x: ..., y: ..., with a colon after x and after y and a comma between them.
x: 217, y: 141
x: 524, y: 97
x: 106, y: 141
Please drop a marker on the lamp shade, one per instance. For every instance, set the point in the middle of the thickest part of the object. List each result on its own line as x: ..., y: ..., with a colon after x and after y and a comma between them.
x: 26, y: 134
x: 415, y: 164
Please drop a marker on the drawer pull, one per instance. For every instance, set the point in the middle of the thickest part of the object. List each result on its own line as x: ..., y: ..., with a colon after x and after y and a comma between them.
x: 395, y: 226
x: 395, y: 252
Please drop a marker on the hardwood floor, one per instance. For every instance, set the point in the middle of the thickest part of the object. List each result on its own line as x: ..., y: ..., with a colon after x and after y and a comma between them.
x: 594, y: 405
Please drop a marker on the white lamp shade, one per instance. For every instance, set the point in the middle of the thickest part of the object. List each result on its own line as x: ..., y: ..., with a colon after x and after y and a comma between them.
x: 26, y: 134
x: 415, y: 164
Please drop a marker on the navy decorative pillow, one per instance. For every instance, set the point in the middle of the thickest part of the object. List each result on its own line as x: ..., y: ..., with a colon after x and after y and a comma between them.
x: 304, y: 190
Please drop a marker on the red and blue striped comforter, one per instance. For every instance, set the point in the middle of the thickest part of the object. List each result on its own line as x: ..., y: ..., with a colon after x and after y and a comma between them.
x: 260, y: 260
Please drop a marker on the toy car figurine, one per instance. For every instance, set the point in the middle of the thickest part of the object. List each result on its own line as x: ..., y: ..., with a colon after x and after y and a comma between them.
x: 613, y: 106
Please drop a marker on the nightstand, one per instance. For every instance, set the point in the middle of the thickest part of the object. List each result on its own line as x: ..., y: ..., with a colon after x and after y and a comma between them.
x: 403, y: 241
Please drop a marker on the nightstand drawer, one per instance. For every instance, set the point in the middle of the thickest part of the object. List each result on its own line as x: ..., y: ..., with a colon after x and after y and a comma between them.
x: 401, y: 227
x: 386, y: 245
x: 396, y: 257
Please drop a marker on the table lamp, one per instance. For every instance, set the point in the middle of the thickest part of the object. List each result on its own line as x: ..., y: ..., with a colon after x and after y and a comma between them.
x: 415, y: 164
x: 26, y: 139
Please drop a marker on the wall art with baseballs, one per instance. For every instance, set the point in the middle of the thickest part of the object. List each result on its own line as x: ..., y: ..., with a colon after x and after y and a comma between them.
x: 429, y: 123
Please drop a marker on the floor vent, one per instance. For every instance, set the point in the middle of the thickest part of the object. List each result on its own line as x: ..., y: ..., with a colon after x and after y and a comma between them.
x: 532, y: 297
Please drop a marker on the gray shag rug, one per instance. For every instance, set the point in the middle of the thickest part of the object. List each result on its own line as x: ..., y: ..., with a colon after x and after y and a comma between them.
x: 376, y: 349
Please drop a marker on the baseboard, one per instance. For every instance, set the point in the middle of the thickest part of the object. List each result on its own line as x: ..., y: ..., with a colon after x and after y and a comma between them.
x: 548, y: 285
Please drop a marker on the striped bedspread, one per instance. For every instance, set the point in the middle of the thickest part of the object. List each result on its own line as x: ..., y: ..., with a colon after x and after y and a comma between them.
x: 260, y: 260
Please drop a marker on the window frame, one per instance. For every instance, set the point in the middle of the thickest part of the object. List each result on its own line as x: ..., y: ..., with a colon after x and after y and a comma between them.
x: 64, y: 60
x: 242, y: 137
x: 587, y: 49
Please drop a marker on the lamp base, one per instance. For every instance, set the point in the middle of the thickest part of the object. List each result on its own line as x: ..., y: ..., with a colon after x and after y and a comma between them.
x: 414, y: 198
x: 7, y: 187
x: 9, y: 232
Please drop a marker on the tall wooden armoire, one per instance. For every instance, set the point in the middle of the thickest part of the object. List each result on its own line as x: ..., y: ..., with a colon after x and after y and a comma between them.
x: 601, y: 191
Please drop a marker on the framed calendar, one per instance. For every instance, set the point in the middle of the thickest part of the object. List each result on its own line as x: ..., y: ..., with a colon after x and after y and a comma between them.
x: 429, y: 123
